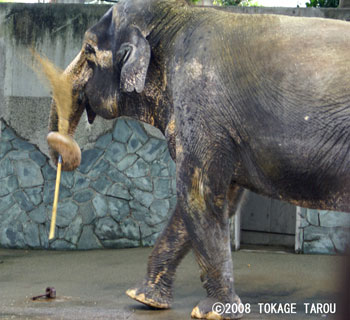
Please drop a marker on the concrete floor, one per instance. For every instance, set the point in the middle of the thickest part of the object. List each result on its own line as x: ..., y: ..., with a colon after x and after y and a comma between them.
x: 91, y: 284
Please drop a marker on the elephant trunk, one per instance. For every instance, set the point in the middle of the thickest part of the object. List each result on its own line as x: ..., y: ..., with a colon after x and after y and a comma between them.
x: 63, y: 123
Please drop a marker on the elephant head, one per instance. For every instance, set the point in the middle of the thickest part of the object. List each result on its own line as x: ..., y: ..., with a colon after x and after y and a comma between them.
x: 113, y: 61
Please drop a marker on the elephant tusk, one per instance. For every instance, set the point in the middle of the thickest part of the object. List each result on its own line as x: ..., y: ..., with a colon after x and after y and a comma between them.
x: 55, y: 200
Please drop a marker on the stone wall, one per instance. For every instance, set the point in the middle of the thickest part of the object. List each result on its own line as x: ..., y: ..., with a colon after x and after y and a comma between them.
x: 322, y: 231
x: 120, y: 196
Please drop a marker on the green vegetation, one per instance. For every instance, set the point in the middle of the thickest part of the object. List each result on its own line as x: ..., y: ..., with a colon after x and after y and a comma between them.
x: 323, y: 3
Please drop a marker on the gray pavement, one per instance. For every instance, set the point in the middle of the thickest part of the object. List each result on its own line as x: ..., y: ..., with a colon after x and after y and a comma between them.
x: 91, y: 284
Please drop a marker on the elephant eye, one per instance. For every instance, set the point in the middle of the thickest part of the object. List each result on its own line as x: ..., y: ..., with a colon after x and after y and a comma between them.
x: 89, y: 49
x: 123, y: 53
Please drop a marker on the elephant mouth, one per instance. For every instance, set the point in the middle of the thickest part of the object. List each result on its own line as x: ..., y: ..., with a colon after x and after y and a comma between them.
x: 84, y: 102
x: 105, y: 108
x: 91, y: 115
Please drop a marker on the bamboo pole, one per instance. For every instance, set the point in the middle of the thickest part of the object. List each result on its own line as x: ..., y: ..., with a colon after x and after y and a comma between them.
x: 55, y: 200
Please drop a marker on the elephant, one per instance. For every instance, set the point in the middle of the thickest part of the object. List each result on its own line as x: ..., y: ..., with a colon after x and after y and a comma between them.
x: 245, y: 101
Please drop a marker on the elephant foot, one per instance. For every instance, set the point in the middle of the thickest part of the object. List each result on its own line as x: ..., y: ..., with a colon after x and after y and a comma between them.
x: 211, y: 309
x: 151, y: 295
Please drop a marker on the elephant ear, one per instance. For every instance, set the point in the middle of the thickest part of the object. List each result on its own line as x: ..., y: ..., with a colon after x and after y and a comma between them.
x: 134, y: 56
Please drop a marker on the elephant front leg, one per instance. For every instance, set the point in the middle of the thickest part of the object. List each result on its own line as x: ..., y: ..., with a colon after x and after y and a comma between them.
x: 203, y: 196
x: 173, y: 244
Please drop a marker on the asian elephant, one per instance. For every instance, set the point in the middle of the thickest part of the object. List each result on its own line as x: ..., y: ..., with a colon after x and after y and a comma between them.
x: 245, y: 101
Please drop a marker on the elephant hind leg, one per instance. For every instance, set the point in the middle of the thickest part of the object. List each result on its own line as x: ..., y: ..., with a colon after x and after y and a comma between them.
x: 173, y: 244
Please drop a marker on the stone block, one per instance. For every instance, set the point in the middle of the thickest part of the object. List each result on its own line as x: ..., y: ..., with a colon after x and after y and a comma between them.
x: 115, y: 152
x: 88, y: 240
x: 146, y: 230
x: 312, y: 217
x: 103, y: 141
x: 102, y: 184
x: 143, y: 183
x: 162, y: 188
x: 44, y: 236
x: 100, y: 167
x: 150, y: 240
x: 156, y: 168
x: 11, y: 229
x: 100, y: 205
x: 49, y: 192
x: 6, y: 168
x: 22, y: 145
x: 120, y: 244
x: 154, y: 220
x: 5, y: 147
x: 119, y: 209
x: 139, y: 169
x: 67, y: 179
x: 134, y: 144
x: 8, y: 134
x: 60, y: 244
x: 130, y: 229
x: 38, y: 215
x: 38, y: 158
x: 341, y: 239
x: 138, y: 215
x: 107, y: 229
x: 313, y: 233
x: 119, y: 191
x: 122, y: 131
x: 8, y: 185
x: 143, y: 197
x: 119, y: 177
x: 35, y: 195
x: 165, y: 156
x: 88, y: 159
x: 48, y: 172
x: 317, y: 240
x: 137, y: 206
x: 80, y: 183
x: 6, y: 202
x: 18, y: 155
x: 23, y: 201
x: 152, y: 149
x: 12, y: 237
x: 73, y: 231
x: 320, y: 246
x: 138, y: 130
x: 66, y: 212
x: 126, y: 162
x: 87, y: 213
x: 31, y: 235
x: 29, y: 174
x: 334, y: 219
x: 164, y: 173
x: 153, y: 131
x: 83, y: 195
x: 160, y: 208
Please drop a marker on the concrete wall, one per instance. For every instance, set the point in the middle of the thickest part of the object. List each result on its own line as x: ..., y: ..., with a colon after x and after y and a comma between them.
x: 96, y: 209
x: 55, y: 31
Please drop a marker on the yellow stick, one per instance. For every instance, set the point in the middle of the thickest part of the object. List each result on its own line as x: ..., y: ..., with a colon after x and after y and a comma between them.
x: 55, y: 200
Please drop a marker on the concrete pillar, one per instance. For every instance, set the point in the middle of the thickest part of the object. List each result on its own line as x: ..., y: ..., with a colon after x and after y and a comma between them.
x: 344, y: 4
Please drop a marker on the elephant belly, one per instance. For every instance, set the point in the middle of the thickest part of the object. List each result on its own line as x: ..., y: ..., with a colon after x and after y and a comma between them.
x: 296, y: 177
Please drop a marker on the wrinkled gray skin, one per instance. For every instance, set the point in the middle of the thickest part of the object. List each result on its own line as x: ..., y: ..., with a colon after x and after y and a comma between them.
x: 254, y: 101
